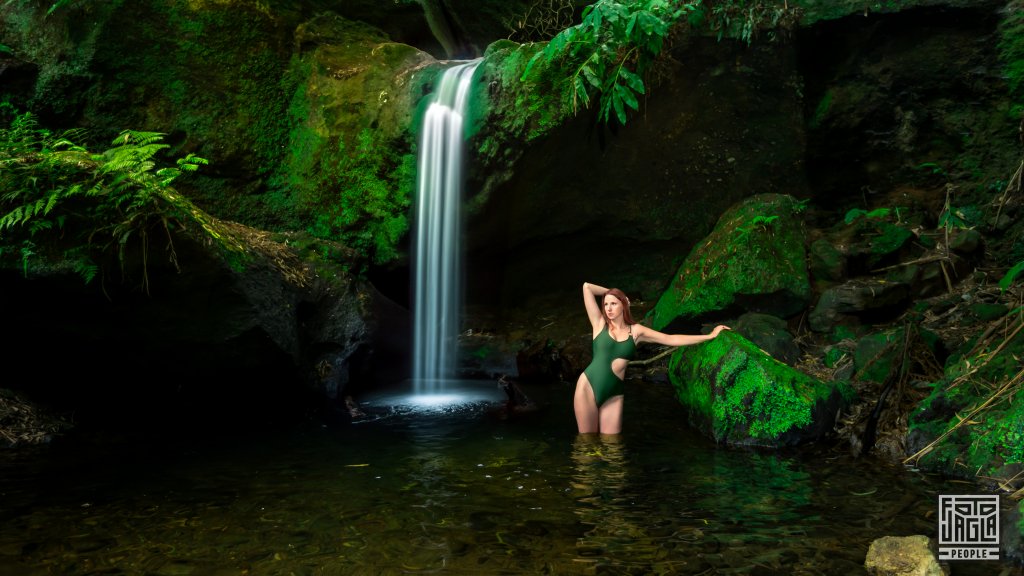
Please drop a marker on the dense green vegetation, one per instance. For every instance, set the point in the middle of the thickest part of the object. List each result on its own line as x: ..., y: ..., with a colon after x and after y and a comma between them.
x: 61, y: 205
x: 608, y: 54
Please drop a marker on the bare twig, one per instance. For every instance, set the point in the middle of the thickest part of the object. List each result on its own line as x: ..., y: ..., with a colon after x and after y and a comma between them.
x: 653, y: 359
x: 922, y: 260
x: 997, y: 395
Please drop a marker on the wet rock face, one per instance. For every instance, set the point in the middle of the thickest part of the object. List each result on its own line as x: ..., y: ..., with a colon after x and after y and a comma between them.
x: 18, y: 79
x: 858, y: 298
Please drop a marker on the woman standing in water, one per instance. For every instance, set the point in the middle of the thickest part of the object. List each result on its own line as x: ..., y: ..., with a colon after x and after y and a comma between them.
x: 599, y: 391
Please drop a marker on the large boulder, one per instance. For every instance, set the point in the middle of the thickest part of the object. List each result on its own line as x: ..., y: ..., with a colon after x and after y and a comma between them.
x: 753, y: 261
x: 736, y: 394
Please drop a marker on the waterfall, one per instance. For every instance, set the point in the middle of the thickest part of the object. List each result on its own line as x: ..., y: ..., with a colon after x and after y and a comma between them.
x: 437, y: 258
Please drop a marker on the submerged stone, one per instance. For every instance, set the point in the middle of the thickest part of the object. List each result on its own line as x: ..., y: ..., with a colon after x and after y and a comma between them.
x: 738, y: 395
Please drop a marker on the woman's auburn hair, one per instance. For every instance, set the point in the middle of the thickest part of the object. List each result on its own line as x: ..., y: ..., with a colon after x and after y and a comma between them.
x: 625, y: 308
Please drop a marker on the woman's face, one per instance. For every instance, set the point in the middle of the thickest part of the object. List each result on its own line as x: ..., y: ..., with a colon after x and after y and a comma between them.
x: 612, y: 307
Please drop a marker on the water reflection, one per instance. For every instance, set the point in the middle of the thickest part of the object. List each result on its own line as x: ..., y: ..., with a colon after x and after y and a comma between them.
x: 753, y: 489
x: 601, y: 499
x: 455, y: 492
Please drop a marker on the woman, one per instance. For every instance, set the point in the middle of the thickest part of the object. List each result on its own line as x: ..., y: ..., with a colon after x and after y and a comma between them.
x: 598, y: 399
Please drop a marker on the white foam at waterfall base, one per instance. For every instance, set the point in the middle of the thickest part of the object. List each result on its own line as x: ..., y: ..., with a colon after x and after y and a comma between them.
x: 457, y: 396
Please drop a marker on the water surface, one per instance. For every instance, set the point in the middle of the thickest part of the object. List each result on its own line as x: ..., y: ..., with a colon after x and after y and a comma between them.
x: 454, y: 489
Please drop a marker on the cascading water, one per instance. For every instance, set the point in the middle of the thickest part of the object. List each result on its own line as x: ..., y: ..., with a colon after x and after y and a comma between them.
x: 437, y: 264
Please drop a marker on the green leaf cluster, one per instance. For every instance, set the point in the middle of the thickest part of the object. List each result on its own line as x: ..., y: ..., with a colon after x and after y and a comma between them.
x: 88, y: 204
x: 607, y: 54
x: 1007, y: 280
x: 743, y: 19
x: 759, y: 222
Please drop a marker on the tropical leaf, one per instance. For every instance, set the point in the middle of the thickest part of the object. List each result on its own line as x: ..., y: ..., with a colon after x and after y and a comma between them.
x: 1010, y: 276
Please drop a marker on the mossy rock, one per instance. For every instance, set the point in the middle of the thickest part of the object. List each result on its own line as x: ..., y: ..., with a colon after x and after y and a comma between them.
x: 867, y: 299
x: 875, y: 355
x: 827, y: 263
x: 753, y: 261
x: 509, y: 114
x: 736, y: 394
x: 350, y: 164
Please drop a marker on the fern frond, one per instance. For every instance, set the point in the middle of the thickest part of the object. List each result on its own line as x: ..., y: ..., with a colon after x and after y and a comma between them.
x: 121, y: 193
x: 191, y: 163
x: 11, y: 218
x: 87, y: 270
x: 137, y: 138
x: 39, y: 225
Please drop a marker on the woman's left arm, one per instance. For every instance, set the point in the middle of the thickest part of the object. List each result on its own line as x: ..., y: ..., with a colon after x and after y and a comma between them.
x: 645, y: 334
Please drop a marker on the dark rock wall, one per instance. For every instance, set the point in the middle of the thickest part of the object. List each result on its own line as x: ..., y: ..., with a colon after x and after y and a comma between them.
x: 904, y: 101
x: 623, y: 206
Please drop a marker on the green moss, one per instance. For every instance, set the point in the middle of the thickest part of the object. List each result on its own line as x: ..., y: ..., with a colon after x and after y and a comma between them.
x: 1003, y: 441
x: 766, y: 405
x: 360, y: 198
x: 525, y: 110
x: 876, y: 354
x: 739, y: 258
x: 739, y: 392
x: 993, y: 439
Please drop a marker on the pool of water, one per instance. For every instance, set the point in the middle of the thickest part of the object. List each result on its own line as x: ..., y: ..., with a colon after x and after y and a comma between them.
x: 455, y: 487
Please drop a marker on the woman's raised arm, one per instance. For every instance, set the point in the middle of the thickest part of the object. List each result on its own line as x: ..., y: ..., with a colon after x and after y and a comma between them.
x: 591, y: 294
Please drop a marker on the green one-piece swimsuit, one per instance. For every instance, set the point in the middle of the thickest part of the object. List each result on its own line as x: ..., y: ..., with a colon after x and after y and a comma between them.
x: 602, y: 379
